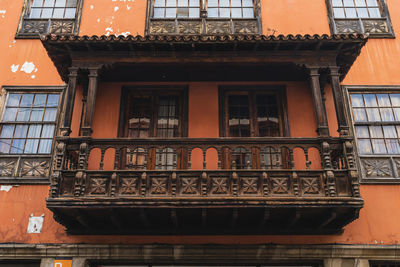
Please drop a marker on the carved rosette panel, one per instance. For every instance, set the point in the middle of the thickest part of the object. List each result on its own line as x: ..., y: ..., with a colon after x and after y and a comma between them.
x: 376, y: 26
x: 7, y: 167
x: 218, y: 27
x: 61, y: 26
x: 310, y: 186
x: 34, y: 26
x: 159, y: 186
x: 245, y: 26
x: 97, y: 186
x: 189, y: 27
x: 35, y: 168
x: 347, y: 26
x: 377, y: 167
x: 162, y: 27
x: 128, y: 186
x: 219, y: 186
x: 280, y: 185
x: 249, y: 186
x: 189, y: 186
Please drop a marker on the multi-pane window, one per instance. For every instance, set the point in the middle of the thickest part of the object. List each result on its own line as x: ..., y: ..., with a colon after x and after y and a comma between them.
x: 28, y: 123
x: 377, y: 122
x: 176, y: 9
x: 230, y: 9
x: 356, y: 8
x: 53, y: 9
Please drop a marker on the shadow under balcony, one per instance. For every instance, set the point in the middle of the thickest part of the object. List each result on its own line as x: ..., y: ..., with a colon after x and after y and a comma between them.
x: 257, y: 186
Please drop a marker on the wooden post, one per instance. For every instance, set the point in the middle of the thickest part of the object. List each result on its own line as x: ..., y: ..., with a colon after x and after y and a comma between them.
x: 65, y: 129
x: 320, y: 112
x: 91, y: 100
x: 339, y: 105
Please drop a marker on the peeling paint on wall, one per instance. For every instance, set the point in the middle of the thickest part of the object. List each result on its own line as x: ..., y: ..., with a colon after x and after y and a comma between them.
x: 35, y: 224
x: 6, y: 188
x: 14, y: 68
x: 3, y: 13
x: 28, y: 67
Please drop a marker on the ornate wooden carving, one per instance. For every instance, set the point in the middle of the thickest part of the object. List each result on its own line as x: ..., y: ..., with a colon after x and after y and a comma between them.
x: 189, y: 186
x: 158, y: 186
x: 310, y: 185
x: 35, y: 168
x: 189, y: 27
x: 8, y: 167
x: 219, y: 186
x: 377, y: 167
x: 97, y: 186
x: 245, y: 26
x: 218, y: 27
x: 280, y: 185
x: 250, y: 185
x: 128, y: 186
x: 62, y: 26
x: 376, y: 26
x: 348, y: 26
x: 34, y: 26
x: 162, y: 27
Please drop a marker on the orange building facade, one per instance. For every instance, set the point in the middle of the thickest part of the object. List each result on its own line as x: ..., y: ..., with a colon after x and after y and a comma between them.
x: 199, y: 133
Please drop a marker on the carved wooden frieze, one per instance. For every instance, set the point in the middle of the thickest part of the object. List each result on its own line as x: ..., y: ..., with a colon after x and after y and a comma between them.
x: 189, y: 186
x: 375, y: 26
x: 158, y: 186
x: 56, y: 26
x: 34, y: 26
x: 128, y: 186
x: 7, y: 167
x: 280, y: 185
x: 189, y: 27
x: 310, y: 185
x: 249, y: 185
x: 348, y: 26
x: 219, y: 186
x: 98, y: 186
x: 35, y: 168
x: 245, y: 26
x: 62, y: 26
x: 377, y: 167
x: 162, y: 27
x: 218, y: 27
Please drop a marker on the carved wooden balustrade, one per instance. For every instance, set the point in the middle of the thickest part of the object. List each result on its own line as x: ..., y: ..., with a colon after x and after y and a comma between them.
x: 309, y: 183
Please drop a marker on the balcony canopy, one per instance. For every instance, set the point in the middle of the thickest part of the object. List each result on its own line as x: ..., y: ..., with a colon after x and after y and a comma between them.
x: 204, y: 58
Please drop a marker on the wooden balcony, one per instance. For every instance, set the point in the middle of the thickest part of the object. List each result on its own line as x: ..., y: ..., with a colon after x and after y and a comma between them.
x: 211, y: 186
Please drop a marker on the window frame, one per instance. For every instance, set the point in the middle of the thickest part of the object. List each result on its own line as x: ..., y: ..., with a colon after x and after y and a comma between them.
x: 31, y: 28
x: 361, y: 21
x: 35, y: 159
x: 386, y: 161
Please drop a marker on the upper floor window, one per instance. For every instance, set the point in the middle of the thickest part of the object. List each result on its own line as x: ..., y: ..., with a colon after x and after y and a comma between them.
x: 360, y: 16
x: 49, y: 16
x: 204, y: 17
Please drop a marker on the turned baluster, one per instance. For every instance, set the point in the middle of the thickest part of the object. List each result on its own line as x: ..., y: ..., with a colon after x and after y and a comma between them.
x: 103, y: 151
x: 204, y: 158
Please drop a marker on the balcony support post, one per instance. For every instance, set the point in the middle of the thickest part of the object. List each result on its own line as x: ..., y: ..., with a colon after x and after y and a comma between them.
x: 343, y: 127
x: 320, y: 112
x: 68, y: 108
x: 91, y: 100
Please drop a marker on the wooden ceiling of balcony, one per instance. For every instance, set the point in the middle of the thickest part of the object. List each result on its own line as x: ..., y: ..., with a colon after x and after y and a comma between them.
x: 178, y: 58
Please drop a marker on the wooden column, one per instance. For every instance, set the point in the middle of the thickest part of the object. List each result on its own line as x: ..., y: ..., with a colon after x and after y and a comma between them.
x: 343, y: 127
x: 91, y: 100
x: 320, y: 112
x: 65, y: 128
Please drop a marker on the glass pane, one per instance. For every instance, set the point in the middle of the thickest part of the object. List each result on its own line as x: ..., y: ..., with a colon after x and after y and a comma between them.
x: 171, y: 3
x: 26, y: 100
x: 212, y: 3
x: 7, y: 131
x: 213, y: 13
x: 362, y: 12
x: 372, y: 3
x: 224, y: 13
x: 357, y: 100
x: 374, y: 12
x: 194, y: 3
x: 247, y: 3
x: 376, y: 131
x: 31, y: 146
x: 383, y: 100
x: 40, y: 100
x: 159, y: 3
x: 37, y: 114
x: 71, y: 3
x: 37, y: 3
x: 392, y: 146
x: 23, y: 114
x: 35, y: 13
x: 248, y: 13
x: 60, y: 3
x: 5, y: 145
x: 20, y: 131
x: 224, y: 3
x: 183, y: 12
x: 337, y: 3
x: 362, y: 132
x: 373, y: 114
x: 379, y: 146
x: 370, y: 100
x: 359, y: 114
x: 170, y: 13
x: 395, y: 99
x: 58, y: 13
x: 52, y: 100
x: 159, y: 12
x: 10, y: 114
x: 236, y: 3
x: 194, y: 12
x: 364, y: 146
x: 389, y: 131
x: 47, y: 13
x: 17, y: 146
x: 183, y: 3
x: 45, y: 146
x: 50, y: 114
x: 70, y: 13
x: 339, y: 13
x: 48, y: 3
x: 13, y: 99
x: 360, y: 3
x: 34, y: 131
x: 386, y: 114
x: 236, y: 12
x: 348, y: 3
x: 397, y: 113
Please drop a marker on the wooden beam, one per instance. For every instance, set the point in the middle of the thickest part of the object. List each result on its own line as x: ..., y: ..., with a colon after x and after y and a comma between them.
x: 328, y: 219
x: 69, y: 101
x: 83, y: 219
x: 91, y: 100
x: 343, y: 127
